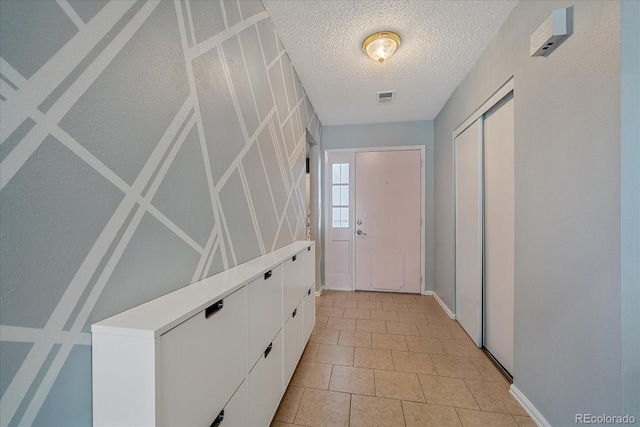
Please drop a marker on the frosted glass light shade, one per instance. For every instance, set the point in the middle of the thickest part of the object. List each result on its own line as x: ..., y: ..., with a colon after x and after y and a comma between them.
x: 382, y: 45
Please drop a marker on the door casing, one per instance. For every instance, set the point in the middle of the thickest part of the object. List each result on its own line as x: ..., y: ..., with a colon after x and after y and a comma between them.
x: 327, y: 207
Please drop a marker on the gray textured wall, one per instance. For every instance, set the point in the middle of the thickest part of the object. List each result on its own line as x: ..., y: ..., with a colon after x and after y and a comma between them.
x: 567, y: 353
x: 145, y: 145
x: 396, y: 134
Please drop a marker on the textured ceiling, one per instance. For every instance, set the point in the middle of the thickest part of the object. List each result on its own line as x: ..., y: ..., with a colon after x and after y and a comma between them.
x: 441, y: 40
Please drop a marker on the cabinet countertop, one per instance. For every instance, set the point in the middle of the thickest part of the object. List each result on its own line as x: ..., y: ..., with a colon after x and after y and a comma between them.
x: 154, y: 318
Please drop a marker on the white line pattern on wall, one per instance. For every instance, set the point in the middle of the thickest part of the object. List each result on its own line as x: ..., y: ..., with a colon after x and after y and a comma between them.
x: 23, y: 399
x: 53, y: 73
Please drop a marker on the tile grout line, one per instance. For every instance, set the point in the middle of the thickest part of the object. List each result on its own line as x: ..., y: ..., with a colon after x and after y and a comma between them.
x: 512, y: 416
x: 304, y: 390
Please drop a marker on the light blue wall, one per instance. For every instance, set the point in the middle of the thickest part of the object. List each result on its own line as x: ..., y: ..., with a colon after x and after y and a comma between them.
x: 378, y: 135
x: 630, y: 195
x: 145, y: 145
x: 391, y: 135
x: 567, y: 353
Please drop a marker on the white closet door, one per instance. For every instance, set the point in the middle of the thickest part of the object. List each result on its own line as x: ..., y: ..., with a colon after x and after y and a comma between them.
x: 499, y: 231
x: 468, y: 175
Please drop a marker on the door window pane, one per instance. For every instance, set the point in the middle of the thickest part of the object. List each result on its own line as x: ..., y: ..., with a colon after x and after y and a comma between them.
x: 340, y: 173
x: 344, y: 195
x: 340, y: 195
x: 344, y: 217
x: 340, y: 217
x: 335, y: 199
x: 335, y: 173
x: 344, y: 173
x: 335, y: 223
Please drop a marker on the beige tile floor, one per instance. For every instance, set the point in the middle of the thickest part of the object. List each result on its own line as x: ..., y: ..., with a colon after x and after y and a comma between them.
x: 381, y: 359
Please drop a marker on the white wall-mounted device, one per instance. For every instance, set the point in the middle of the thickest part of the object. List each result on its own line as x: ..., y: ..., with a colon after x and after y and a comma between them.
x: 554, y: 30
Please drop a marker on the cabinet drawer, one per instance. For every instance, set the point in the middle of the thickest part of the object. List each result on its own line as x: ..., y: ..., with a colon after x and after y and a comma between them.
x: 293, y: 344
x: 202, y: 362
x: 265, y: 384
x: 235, y: 412
x: 264, y: 311
x: 309, y: 314
x: 294, y: 281
x: 309, y: 268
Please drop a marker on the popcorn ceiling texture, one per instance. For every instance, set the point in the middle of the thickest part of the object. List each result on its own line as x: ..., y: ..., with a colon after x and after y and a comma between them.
x: 441, y: 40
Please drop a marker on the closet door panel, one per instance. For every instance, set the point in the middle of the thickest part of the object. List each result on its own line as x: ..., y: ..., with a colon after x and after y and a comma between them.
x: 499, y: 231
x: 468, y: 219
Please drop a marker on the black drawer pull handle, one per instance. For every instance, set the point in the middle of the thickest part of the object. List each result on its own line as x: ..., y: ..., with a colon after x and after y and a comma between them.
x: 309, y: 248
x: 309, y: 291
x: 213, y: 308
x: 267, y: 274
x: 218, y: 419
x: 294, y: 258
x: 294, y: 313
x: 268, y: 350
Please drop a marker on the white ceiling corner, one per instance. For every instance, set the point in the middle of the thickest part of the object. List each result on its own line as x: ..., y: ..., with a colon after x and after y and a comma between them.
x: 441, y: 40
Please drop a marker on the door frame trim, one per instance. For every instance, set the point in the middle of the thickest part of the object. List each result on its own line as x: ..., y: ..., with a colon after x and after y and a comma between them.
x: 503, y: 91
x: 423, y: 222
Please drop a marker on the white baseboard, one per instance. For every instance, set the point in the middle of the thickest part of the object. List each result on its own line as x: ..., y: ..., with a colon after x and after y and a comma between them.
x: 427, y: 293
x: 319, y: 292
x: 444, y: 306
x: 535, y: 415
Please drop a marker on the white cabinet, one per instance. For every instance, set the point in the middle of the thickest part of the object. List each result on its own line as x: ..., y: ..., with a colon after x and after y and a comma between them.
x: 194, y: 389
x: 308, y: 265
x: 218, y: 352
x: 297, y: 277
x: 293, y: 343
x: 265, y: 384
x: 264, y: 311
x: 299, y: 274
x: 292, y: 292
x: 235, y: 412
x: 124, y: 381
x: 309, y: 313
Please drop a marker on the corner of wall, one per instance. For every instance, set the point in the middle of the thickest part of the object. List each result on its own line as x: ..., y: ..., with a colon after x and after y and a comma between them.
x: 630, y: 199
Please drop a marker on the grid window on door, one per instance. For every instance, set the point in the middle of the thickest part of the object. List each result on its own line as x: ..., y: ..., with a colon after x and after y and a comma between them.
x: 340, y: 195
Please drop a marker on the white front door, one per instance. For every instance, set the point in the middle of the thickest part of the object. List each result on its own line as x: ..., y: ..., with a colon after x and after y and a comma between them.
x: 387, y: 220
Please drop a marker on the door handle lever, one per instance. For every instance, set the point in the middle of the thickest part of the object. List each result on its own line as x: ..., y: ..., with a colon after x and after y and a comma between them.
x: 361, y: 233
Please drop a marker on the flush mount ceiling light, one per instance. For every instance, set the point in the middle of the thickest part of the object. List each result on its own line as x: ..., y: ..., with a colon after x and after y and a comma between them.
x: 380, y: 46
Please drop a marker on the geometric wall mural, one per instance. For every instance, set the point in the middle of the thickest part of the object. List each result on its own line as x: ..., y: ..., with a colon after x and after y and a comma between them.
x: 145, y: 145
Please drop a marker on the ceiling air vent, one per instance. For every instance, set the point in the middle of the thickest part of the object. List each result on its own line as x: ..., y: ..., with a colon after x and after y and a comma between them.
x: 386, y: 97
